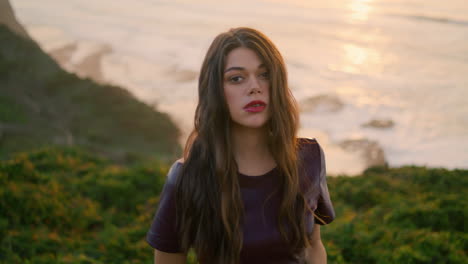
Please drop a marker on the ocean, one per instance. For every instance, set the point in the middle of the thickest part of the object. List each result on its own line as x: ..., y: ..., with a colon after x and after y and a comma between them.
x: 375, y: 79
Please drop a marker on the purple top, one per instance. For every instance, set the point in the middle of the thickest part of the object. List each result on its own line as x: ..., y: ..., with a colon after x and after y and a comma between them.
x: 262, y: 241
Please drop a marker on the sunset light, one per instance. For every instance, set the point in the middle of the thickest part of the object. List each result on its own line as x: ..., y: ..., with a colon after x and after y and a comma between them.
x: 360, y: 9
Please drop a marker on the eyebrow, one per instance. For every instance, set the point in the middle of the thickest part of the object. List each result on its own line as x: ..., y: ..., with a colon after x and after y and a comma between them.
x: 242, y: 68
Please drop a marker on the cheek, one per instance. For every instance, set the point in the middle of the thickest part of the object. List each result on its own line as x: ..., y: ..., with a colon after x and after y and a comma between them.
x: 267, y: 91
x: 231, y: 98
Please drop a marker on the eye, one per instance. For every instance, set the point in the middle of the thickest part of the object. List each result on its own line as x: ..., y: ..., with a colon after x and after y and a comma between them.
x: 265, y: 75
x: 236, y: 79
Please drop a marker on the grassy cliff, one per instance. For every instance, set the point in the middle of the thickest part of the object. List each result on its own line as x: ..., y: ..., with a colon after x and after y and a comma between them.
x: 400, y: 215
x: 42, y: 105
x: 63, y: 205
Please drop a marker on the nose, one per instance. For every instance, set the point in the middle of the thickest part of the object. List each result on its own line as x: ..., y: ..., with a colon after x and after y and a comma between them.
x: 254, y: 86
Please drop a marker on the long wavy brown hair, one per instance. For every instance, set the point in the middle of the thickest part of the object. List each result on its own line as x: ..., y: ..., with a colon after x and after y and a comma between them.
x: 208, y: 198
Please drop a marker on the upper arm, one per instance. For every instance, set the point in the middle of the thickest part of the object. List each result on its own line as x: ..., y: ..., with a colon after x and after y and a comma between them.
x: 315, y: 187
x: 161, y: 257
x: 163, y: 233
x: 315, y: 236
x: 316, y: 253
x: 324, y: 213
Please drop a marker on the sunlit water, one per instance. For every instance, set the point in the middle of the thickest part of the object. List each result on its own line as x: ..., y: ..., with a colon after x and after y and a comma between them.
x: 405, y: 61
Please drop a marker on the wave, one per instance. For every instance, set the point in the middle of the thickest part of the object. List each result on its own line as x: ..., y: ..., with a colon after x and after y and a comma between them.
x: 435, y: 19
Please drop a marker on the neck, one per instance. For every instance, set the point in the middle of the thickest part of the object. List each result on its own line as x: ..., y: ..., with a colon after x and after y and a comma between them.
x: 250, y: 145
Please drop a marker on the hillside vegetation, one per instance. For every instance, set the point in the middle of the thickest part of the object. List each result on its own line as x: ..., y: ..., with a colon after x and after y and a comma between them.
x: 66, y: 206
x: 42, y: 105
x: 399, y: 215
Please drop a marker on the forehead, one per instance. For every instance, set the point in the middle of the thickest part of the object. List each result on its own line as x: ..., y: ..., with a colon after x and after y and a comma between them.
x: 243, y: 57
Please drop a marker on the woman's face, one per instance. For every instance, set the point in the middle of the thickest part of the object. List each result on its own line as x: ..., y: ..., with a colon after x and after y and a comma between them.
x: 247, y: 88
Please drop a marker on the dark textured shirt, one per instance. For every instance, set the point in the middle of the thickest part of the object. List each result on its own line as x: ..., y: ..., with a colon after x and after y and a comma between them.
x: 262, y: 241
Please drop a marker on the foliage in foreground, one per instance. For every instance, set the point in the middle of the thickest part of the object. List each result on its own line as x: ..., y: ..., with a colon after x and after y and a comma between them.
x: 399, y: 215
x: 67, y: 206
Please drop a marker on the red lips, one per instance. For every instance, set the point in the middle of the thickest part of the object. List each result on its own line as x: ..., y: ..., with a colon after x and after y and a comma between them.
x: 255, y: 106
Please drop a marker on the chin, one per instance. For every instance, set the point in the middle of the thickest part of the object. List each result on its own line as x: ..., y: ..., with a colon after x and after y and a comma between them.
x: 252, y: 125
x: 257, y: 126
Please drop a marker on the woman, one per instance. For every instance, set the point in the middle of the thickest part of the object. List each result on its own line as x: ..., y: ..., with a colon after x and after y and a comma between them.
x: 247, y: 190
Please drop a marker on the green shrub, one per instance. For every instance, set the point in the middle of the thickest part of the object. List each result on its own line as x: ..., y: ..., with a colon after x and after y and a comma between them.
x: 64, y: 205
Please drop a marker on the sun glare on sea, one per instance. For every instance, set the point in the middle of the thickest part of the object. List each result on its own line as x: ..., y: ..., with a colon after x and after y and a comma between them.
x: 357, y: 59
x: 360, y: 9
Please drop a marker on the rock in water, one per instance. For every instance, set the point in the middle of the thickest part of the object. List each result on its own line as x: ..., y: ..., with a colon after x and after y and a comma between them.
x: 379, y: 123
x: 322, y: 103
x: 371, y: 151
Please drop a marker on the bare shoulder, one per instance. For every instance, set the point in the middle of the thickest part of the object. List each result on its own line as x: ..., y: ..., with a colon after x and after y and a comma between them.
x: 181, y: 160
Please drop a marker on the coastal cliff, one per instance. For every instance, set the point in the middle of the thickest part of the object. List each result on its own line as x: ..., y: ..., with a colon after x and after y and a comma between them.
x: 8, y: 18
x: 43, y: 105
